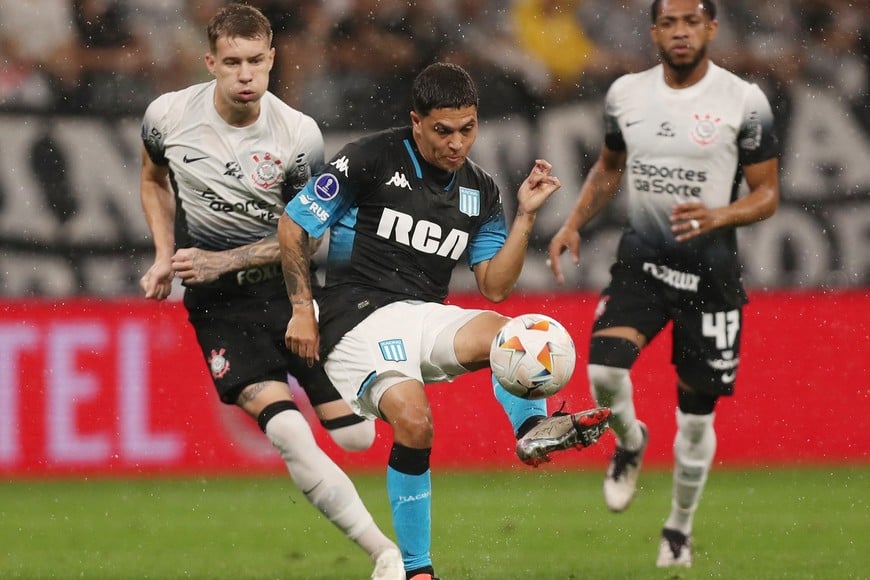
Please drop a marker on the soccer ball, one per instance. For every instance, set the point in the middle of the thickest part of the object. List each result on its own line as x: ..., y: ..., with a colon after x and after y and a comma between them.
x: 532, y: 356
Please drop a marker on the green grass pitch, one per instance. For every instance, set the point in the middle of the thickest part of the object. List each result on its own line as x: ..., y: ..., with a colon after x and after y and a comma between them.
x: 525, y: 524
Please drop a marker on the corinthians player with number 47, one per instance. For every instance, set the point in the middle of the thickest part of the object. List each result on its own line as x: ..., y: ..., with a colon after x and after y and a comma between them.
x: 680, y: 137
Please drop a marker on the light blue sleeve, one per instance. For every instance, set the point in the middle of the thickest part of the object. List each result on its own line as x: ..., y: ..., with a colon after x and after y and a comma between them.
x: 320, y: 204
x: 488, y: 240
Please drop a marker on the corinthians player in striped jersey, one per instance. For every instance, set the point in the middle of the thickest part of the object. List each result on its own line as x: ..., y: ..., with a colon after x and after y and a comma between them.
x: 680, y: 137
x: 220, y: 160
x: 404, y: 206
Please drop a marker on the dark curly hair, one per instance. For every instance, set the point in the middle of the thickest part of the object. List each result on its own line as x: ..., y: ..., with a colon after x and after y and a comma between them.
x: 707, y: 5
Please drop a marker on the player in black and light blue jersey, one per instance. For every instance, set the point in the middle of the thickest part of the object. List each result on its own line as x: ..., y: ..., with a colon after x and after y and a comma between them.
x: 403, y: 207
x: 379, y: 196
x: 683, y: 138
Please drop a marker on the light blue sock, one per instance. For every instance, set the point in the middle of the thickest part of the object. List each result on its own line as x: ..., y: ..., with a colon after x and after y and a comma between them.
x: 518, y: 410
x: 411, y: 503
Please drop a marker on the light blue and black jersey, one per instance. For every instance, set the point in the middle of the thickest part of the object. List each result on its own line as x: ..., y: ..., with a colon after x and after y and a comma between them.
x: 398, y: 226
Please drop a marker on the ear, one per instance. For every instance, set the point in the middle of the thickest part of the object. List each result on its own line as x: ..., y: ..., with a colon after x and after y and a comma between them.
x: 210, y: 62
x: 712, y: 29
x: 415, y: 119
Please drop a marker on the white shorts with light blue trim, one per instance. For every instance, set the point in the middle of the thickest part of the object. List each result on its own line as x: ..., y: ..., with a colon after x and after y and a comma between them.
x: 408, y: 340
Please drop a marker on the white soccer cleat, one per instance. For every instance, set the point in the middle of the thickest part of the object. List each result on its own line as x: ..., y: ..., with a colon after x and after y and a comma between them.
x: 389, y: 566
x: 675, y: 550
x: 620, y: 483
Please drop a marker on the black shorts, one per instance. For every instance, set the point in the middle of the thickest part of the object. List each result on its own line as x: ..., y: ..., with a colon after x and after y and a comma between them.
x: 240, y: 328
x: 646, y: 295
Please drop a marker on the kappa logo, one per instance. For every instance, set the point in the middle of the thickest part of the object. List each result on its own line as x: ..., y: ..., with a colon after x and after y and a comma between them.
x: 341, y: 164
x: 399, y: 180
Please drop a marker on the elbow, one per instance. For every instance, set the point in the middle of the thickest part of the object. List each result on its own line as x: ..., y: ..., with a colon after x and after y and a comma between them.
x: 497, y: 296
x: 772, y: 204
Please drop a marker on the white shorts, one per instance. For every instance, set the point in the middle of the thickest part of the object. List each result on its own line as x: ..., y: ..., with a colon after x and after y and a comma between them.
x: 400, y: 341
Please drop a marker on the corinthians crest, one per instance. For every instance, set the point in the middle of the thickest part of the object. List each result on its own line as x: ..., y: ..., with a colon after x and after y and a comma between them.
x: 706, y: 129
x: 268, y: 171
x: 218, y: 363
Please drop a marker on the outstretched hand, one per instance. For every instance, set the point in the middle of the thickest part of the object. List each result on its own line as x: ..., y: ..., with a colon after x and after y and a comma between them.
x: 537, y: 187
x: 565, y: 239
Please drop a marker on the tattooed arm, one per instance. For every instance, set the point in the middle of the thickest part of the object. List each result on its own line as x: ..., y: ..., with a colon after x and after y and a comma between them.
x: 196, y: 266
x: 302, y: 336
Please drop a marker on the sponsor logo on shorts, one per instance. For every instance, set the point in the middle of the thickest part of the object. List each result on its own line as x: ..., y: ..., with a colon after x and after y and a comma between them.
x: 326, y: 186
x: 218, y: 363
x: 727, y: 365
x: 674, y: 278
x: 258, y: 274
x: 393, y: 350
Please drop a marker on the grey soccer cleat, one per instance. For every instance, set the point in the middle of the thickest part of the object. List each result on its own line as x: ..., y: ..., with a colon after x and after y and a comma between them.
x: 562, y: 431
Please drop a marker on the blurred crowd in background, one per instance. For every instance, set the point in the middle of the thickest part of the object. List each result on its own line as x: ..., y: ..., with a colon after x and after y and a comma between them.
x: 81, y: 72
x: 346, y: 62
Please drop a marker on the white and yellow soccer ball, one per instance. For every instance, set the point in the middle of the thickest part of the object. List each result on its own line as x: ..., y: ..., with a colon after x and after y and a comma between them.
x: 532, y: 356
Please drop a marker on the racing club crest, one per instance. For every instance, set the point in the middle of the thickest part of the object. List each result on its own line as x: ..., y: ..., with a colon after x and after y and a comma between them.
x: 268, y: 171
x: 706, y: 129
x: 218, y: 363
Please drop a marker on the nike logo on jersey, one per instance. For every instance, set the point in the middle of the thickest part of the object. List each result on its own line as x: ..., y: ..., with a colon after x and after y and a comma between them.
x: 192, y: 159
x: 630, y: 123
x: 399, y: 180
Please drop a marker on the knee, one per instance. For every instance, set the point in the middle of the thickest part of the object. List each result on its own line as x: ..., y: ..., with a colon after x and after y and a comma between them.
x: 605, y: 378
x: 358, y: 436
x: 413, y: 429
x: 695, y: 428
